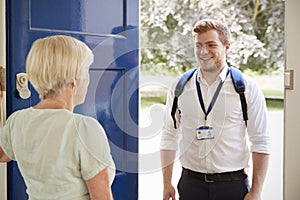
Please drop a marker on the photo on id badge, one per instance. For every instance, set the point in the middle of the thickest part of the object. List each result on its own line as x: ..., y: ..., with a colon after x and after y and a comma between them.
x: 204, y: 133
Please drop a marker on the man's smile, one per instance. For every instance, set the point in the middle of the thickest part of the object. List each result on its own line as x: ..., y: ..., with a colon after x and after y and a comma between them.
x: 205, y: 58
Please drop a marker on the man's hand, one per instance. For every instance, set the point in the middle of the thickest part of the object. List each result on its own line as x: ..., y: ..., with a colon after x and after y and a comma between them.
x: 167, y: 161
x: 260, y: 166
x: 253, y: 196
x: 169, y: 192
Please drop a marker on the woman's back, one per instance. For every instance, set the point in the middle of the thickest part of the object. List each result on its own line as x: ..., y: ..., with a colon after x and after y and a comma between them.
x: 49, y: 150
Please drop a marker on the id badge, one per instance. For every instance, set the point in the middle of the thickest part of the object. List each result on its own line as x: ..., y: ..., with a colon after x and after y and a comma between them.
x: 204, y: 133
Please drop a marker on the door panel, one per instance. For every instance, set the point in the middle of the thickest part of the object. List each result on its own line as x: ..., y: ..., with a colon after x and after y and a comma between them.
x: 110, y: 29
x: 77, y: 16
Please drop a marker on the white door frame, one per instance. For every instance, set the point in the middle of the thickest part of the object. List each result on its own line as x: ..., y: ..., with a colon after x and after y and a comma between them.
x: 3, y: 178
x: 292, y: 108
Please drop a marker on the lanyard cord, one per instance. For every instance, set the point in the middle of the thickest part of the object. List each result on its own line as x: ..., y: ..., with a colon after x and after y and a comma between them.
x: 212, y: 103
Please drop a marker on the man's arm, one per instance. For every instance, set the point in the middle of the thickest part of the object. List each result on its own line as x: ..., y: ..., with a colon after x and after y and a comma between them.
x: 3, y: 156
x: 99, y: 187
x: 260, y: 167
x: 167, y: 162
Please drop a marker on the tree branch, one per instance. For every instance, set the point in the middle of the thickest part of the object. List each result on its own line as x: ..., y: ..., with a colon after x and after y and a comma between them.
x: 255, y: 9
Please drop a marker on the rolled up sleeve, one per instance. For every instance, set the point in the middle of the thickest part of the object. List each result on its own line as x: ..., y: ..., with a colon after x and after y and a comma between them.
x: 257, y: 128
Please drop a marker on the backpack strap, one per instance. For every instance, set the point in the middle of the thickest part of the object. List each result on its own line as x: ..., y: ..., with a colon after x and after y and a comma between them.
x: 239, y: 86
x: 178, y: 91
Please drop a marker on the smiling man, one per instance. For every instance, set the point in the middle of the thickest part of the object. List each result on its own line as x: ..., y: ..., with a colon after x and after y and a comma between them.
x: 211, y: 135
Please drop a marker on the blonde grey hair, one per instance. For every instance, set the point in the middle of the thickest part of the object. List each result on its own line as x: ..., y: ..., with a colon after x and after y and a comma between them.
x: 53, y: 62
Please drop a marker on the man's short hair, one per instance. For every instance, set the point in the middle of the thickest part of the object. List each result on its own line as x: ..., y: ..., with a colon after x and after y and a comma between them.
x: 205, y: 25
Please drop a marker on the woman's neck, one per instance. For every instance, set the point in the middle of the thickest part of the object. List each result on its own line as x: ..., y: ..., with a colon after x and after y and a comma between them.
x: 63, y: 101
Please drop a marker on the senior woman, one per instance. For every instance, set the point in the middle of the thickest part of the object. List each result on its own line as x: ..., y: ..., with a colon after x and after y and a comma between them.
x: 61, y: 155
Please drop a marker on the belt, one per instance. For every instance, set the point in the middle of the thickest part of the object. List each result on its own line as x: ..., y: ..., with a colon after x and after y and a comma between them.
x: 217, y: 177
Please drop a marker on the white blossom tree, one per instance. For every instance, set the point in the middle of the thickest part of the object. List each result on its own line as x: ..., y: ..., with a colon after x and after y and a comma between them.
x: 257, y: 29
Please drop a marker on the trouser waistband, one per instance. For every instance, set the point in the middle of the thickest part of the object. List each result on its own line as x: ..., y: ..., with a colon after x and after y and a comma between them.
x: 217, y: 177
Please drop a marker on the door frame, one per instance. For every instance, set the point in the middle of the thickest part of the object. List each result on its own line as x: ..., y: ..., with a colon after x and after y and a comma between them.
x: 3, y: 171
x: 291, y: 173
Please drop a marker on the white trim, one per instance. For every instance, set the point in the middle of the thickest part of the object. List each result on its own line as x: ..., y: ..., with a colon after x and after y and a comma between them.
x: 3, y: 174
x: 291, y: 100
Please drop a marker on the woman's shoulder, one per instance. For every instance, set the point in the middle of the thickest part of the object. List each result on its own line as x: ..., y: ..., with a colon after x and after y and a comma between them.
x: 19, y: 113
x: 87, y: 123
x: 85, y: 119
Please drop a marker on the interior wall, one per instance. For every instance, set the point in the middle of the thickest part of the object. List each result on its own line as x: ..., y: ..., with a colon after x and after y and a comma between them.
x: 292, y: 99
x: 3, y: 185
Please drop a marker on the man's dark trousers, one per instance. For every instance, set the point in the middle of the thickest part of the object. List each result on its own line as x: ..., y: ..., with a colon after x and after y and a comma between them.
x: 191, y: 187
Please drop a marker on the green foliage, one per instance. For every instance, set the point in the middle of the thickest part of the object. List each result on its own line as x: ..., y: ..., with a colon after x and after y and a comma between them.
x: 146, y: 102
x: 257, y: 29
x: 274, y: 104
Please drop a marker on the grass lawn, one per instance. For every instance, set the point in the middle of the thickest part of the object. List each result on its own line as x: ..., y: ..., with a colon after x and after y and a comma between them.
x: 272, y: 87
x: 275, y: 102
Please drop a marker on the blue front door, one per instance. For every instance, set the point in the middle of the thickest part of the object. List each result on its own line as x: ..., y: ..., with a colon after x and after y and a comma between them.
x: 110, y: 28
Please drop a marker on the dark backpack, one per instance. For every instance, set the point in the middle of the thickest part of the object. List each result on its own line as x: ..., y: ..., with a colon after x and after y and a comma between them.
x: 237, y: 80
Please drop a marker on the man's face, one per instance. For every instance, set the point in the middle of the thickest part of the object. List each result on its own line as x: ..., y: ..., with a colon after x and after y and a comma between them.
x: 209, y: 51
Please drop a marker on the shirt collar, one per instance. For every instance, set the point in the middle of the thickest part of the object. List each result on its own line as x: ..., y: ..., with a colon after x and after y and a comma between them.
x: 222, y: 75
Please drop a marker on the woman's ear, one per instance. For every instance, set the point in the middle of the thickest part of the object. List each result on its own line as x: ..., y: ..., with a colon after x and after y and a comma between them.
x: 73, y: 83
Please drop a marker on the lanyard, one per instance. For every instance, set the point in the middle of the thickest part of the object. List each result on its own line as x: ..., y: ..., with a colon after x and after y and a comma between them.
x: 213, y: 99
